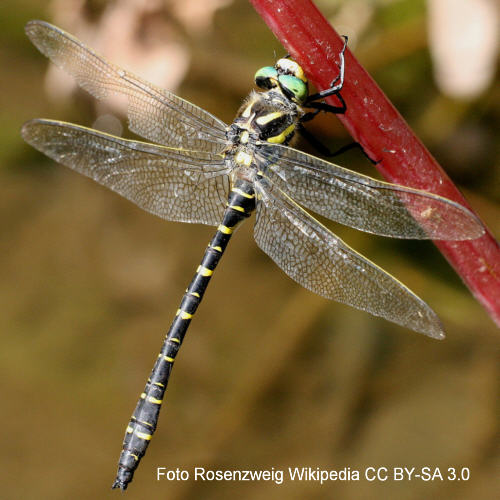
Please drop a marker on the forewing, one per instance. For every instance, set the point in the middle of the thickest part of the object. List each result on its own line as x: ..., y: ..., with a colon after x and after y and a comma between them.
x: 175, y: 184
x: 365, y: 203
x: 153, y: 113
x: 320, y: 261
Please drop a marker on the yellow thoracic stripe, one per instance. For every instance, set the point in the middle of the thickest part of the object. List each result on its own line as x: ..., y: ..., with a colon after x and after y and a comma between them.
x: 246, y: 195
x: 136, y: 458
x: 262, y: 120
x: 247, y: 110
x: 278, y: 139
x: 225, y: 229
x: 175, y: 339
x: 129, y: 430
x: 195, y: 294
x: 218, y: 248
x: 204, y: 271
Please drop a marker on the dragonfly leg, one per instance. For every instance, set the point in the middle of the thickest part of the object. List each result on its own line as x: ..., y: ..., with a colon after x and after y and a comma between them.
x: 314, y: 101
x: 325, y: 151
x: 335, y: 87
x: 327, y: 108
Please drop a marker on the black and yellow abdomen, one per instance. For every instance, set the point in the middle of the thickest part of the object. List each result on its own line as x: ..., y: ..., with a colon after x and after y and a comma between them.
x: 140, y: 429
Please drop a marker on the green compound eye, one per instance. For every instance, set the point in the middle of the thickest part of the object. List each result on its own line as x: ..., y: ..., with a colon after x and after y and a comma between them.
x: 296, y: 87
x: 264, y: 77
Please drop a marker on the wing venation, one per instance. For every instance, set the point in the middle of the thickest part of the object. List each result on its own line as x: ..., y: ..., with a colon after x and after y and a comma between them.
x: 321, y: 262
x: 364, y: 203
x: 175, y: 184
x: 153, y: 112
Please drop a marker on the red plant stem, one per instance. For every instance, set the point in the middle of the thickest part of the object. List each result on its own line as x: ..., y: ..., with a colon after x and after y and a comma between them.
x: 374, y: 122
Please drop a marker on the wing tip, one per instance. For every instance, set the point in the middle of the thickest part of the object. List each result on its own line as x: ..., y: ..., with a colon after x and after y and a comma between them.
x: 437, y: 334
x: 34, y: 25
x: 475, y: 227
x: 462, y: 224
x: 39, y: 32
x: 431, y: 326
x: 28, y: 127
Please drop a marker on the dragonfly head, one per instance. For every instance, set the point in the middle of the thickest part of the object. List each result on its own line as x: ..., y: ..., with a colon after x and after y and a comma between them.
x: 286, y: 75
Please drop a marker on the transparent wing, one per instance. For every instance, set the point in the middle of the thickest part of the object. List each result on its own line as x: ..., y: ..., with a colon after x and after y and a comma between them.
x: 153, y: 113
x: 365, y: 203
x: 175, y: 184
x: 317, y: 259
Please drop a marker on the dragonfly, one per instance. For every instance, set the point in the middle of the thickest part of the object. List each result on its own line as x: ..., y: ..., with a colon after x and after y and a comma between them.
x: 198, y: 169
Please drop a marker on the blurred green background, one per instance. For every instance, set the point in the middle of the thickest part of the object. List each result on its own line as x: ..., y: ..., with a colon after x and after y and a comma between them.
x: 270, y: 375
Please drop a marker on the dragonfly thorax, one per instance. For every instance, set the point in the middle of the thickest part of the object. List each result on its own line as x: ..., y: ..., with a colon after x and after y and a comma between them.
x: 265, y: 117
